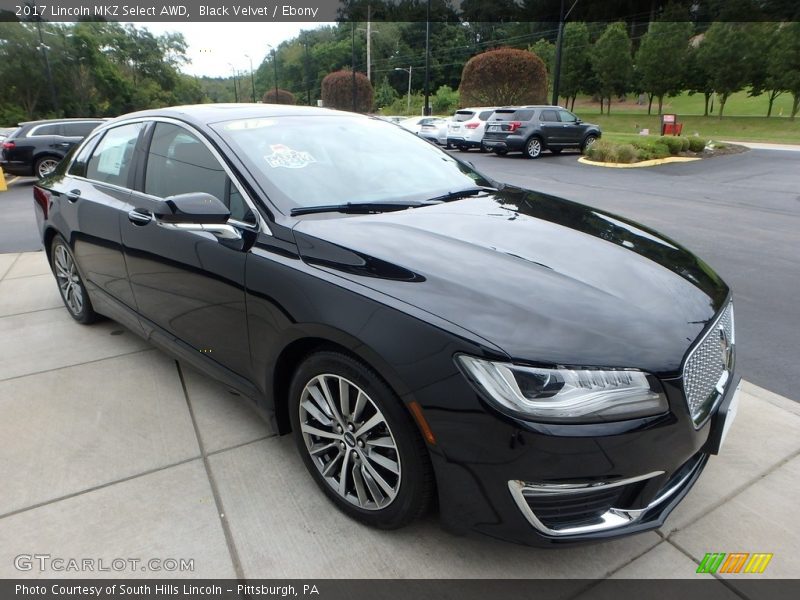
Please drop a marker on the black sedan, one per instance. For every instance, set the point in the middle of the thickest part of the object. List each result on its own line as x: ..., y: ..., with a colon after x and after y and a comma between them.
x: 546, y: 372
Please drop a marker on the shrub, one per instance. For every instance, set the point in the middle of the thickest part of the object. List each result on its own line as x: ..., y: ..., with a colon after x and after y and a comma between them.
x: 626, y: 153
x: 660, y: 150
x: 279, y: 97
x: 697, y: 144
x: 337, y: 91
x: 505, y: 76
x: 602, y: 151
x: 445, y: 101
x: 673, y: 143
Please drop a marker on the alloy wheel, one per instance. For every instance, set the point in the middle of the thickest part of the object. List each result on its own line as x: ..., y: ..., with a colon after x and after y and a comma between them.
x: 68, y: 279
x: 534, y: 147
x: 46, y: 166
x: 350, y: 442
x: 588, y: 142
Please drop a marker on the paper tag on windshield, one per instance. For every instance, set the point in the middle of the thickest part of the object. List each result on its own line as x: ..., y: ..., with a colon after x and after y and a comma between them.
x: 283, y: 156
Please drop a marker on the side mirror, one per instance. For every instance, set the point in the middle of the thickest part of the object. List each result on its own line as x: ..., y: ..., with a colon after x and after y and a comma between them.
x: 197, y: 211
x: 194, y: 207
x: 578, y: 121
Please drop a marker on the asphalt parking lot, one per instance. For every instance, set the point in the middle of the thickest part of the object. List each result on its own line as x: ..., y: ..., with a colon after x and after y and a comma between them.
x: 112, y: 449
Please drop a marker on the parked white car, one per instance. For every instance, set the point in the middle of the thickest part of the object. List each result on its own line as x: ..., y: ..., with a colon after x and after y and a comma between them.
x: 467, y: 127
x: 433, y: 129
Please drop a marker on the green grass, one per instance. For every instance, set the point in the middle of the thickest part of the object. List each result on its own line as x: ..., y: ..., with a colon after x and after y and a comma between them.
x: 738, y: 105
x: 625, y: 127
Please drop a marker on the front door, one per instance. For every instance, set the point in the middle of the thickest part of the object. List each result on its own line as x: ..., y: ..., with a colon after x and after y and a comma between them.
x: 572, y: 131
x: 188, y: 283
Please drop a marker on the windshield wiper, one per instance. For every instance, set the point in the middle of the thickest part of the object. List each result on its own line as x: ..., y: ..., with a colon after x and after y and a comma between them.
x: 465, y: 193
x: 354, y: 208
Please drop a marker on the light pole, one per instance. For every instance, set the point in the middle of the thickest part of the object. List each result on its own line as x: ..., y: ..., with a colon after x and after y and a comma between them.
x: 559, y: 44
x: 409, y: 71
x: 427, y: 110
x: 235, y: 90
x: 252, y: 78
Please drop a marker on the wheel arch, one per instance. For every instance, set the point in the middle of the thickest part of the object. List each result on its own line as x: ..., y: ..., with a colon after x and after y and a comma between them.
x: 293, y: 353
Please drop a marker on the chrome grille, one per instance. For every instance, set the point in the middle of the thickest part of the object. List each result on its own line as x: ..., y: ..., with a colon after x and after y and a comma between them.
x: 707, y: 369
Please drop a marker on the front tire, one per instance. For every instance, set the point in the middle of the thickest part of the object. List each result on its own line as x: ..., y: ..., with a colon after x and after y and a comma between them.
x: 70, y: 285
x: 587, y: 142
x: 358, y: 441
x: 533, y: 149
x: 501, y: 151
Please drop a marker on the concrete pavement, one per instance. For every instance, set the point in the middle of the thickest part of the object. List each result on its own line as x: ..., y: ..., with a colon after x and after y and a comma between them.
x: 110, y: 449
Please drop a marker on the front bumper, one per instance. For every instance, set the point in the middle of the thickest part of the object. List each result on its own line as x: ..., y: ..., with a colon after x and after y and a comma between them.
x: 552, y: 485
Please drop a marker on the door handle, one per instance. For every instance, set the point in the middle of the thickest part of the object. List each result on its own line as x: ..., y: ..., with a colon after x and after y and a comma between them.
x: 73, y: 195
x: 138, y: 217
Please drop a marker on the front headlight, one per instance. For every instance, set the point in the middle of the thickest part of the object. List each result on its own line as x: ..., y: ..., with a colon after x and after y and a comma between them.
x: 566, y: 395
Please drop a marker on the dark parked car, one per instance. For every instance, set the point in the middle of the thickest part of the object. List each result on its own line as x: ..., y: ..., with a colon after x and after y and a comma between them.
x: 36, y: 147
x: 532, y: 129
x: 549, y: 372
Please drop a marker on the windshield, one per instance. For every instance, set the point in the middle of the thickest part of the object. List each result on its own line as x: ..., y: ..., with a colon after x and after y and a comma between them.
x: 329, y: 160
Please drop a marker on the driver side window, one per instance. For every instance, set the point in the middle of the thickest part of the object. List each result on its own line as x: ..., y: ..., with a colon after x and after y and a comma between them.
x: 566, y: 116
x: 180, y: 163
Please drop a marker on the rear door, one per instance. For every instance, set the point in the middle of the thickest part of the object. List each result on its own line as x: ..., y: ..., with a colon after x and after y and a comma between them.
x: 189, y: 283
x: 551, y: 127
x: 91, y: 198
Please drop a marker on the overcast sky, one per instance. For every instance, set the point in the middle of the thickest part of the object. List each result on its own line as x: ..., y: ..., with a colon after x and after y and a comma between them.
x: 212, y: 46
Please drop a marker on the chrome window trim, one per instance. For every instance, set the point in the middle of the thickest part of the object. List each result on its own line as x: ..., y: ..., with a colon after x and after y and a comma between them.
x: 614, y: 518
x: 260, y: 226
x: 32, y: 132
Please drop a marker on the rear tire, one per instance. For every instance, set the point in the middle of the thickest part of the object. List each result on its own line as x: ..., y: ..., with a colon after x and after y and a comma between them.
x: 463, y: 148
x: 387, y: 479
x: 533, y: 147
x: 70, y: 284
x: 45, y: 165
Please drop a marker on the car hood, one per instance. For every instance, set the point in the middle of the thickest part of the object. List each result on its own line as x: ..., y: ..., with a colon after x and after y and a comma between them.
x: 547, y: 280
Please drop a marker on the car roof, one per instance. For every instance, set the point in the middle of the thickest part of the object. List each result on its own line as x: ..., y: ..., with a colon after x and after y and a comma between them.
x: 203, y: 114
x: 531, y: 106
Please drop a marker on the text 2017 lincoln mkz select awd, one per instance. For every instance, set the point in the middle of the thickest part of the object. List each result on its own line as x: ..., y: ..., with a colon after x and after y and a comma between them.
x: 548, y: 372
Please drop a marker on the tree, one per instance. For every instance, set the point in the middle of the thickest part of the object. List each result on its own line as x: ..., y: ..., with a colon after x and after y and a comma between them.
x: 576, y: 66
x: 385, y: 94
x: 344, y: 91
x: 661, y: 59
x: 547, y: 52
x: 725, y: 54
x: 281, y: 97
x: 612, y: 63
x: 766, y: 80
x: 697, y: 80
x: 784, y: 62
x: 501, y: 77
x: 445, y: 100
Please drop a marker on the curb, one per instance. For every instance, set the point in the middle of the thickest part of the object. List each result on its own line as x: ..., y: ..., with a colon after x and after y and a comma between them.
x: 644, y: 163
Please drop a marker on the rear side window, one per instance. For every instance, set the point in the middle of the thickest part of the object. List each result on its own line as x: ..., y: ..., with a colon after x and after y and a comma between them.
x: 548, y: 115
x: 51, y: 129
x: 483, y: 116
x: 78, y: 129
x: 463, y: 115
x: 112, y: 158
x: 179, y: 163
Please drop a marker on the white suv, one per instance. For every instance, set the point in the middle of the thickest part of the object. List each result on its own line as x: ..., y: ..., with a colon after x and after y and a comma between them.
x: 467, y: 127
